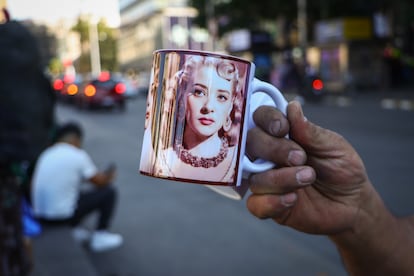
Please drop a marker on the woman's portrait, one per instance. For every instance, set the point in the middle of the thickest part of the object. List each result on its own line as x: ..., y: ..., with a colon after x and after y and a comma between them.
x: 204, y: 142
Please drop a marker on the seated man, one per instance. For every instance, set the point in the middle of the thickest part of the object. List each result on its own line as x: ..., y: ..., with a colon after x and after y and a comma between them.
x: 56, y: 192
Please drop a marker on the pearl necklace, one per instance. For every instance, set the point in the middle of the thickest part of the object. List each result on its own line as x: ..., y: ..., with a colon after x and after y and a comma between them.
x: 197, y: 161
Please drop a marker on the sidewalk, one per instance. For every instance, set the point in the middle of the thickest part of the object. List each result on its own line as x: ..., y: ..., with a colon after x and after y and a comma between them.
x: 56, y: 253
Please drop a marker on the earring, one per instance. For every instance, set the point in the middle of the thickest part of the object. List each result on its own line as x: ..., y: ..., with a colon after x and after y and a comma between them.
x: 227, y: 124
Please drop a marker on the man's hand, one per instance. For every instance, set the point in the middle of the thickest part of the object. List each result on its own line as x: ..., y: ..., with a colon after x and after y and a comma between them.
x: 319, y: 179
x: 320, y: 186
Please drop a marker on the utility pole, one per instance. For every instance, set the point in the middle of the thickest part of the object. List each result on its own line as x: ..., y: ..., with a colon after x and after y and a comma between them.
x: 211, y: 23
x: 94, y: 47
x: 302, y: 26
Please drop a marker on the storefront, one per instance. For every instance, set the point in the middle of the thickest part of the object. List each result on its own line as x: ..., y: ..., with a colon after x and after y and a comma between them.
x: 346, y: 55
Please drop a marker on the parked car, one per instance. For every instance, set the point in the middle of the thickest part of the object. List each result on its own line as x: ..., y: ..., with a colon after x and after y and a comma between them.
x: 58, y: 85
x: 67, y: 87
x: 131, y: 88
x: 103, y: 91
x: 135, y: 86
x: 143, y: 83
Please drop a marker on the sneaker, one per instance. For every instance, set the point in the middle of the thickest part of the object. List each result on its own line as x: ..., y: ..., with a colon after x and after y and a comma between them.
x: 104, y: 240
x: 81, y: 235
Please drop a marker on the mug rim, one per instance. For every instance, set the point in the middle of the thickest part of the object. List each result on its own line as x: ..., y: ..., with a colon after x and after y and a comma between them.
x: 203, y: 53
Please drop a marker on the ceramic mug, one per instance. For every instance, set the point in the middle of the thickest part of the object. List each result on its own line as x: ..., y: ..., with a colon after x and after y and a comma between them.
x: 197, y: 118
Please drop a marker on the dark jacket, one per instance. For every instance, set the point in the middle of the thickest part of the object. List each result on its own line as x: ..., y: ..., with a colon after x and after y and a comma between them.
x: 26, y: 96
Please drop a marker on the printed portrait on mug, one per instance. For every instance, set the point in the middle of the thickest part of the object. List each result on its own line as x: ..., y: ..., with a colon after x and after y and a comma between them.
x: 194, y: 117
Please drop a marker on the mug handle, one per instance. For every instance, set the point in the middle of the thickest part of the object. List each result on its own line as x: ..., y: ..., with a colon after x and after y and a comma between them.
x: 261, y: 165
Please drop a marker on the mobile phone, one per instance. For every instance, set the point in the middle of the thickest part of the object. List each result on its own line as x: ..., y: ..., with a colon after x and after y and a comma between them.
x: 110, y: 168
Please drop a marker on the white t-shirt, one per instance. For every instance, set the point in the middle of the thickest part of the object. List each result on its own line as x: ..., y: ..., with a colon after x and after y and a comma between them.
x: 59, y: 172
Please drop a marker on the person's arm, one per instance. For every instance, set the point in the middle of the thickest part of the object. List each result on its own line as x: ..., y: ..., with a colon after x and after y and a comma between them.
x: 103, y: 178
x: 378, y: 243
x: 320, y: 186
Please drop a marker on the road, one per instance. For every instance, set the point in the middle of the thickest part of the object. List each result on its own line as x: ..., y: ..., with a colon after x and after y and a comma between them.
x: 178, y: 229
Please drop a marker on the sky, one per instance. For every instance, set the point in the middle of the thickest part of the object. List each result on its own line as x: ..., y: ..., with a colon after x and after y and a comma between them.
x: 52, y: 10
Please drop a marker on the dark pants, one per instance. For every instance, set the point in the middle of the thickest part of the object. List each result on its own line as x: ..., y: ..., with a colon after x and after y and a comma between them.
x: 101, y: 200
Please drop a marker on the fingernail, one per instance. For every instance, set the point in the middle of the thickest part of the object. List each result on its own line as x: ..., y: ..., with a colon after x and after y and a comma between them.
x: 288, y: 199
x: 296, y: 158
x: 301, y: 112
x: 275, y: 127
x: 304, y: 176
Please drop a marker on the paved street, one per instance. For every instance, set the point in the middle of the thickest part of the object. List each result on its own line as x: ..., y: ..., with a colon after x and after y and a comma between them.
x: 172, y: 228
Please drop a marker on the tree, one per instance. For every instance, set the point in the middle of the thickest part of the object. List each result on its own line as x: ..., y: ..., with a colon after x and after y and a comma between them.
x: 107, y: 45
x: 55, y: 66
x: 236, y: 14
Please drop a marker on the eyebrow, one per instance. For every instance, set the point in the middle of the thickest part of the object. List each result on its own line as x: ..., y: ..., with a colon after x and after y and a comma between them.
x: 201, y: 85
x: 224, y: 91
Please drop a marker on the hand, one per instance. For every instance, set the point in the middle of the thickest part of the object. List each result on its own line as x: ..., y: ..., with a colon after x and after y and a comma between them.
x: 320, y: 186
x: 104, y: 177
x: 320, y: 182
x: 110, y: 169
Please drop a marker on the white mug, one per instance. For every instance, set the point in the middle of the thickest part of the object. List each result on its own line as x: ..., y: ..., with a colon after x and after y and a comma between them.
x: 198, y: 114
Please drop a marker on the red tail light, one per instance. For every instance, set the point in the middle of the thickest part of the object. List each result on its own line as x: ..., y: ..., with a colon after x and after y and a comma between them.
x: 72, y: 89
x: 317, y: 84
x: 120, y: 88
x: 58, y: 84
x: 90, y: 90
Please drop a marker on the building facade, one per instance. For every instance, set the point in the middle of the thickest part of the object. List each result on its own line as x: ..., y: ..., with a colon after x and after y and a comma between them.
x: 148, y: 25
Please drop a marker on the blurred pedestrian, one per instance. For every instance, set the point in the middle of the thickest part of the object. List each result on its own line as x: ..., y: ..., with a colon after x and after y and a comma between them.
x: 320, y: 186
x: 57, y: 197
x: 26, y: 121
x: 289, y: 74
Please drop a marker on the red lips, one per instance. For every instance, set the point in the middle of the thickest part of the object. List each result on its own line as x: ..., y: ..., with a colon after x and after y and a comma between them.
x: 206, y: 121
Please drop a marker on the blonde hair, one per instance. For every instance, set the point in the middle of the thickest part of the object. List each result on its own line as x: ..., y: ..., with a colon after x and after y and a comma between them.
x: 227, y: 70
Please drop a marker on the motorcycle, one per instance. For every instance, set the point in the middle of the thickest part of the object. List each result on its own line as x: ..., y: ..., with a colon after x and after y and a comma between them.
x: 312, y: 88
x: 307, y: 84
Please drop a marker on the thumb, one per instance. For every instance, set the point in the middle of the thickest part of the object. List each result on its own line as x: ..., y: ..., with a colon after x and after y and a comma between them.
x: 310, y: 136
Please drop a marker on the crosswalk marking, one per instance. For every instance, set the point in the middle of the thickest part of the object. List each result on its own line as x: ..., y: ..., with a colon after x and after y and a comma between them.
x: 402, y: 104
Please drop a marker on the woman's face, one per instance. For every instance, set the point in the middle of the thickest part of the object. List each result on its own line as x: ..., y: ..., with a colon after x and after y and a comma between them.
x: 209, y: 102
